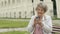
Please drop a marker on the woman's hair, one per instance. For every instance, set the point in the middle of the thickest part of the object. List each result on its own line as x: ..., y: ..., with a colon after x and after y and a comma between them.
x: 42, y: 5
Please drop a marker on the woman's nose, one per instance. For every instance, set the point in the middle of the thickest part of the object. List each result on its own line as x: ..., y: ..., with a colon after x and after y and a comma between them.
x: 39, y: 11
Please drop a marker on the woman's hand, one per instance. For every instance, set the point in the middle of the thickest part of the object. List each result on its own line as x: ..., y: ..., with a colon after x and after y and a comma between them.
x: 35, y: 22
x: 39, y: 21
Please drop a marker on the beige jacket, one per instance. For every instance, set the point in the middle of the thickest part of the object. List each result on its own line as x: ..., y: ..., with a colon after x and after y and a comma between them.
x: 46, y: 21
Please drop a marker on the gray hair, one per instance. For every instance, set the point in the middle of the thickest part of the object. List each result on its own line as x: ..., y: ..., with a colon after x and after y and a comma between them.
x: 42, y: 5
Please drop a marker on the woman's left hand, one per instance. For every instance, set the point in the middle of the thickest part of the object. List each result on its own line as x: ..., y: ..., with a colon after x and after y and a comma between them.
x: 40, y: 23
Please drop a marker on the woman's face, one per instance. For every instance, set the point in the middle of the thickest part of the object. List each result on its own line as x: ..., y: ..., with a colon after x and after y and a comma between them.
x: 40, y: 11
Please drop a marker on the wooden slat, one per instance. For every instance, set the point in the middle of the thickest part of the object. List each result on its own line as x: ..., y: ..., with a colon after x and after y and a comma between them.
x: 56, y: 29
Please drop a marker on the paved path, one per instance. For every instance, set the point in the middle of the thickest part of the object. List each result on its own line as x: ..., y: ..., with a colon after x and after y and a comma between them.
x: 13, y: 29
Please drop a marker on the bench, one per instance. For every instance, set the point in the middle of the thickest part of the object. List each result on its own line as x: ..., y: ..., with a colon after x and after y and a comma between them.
x: 56, y: 29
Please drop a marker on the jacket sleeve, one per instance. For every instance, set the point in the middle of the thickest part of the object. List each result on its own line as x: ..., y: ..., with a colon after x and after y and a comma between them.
x: 30, y: 25
x: 48, y: 25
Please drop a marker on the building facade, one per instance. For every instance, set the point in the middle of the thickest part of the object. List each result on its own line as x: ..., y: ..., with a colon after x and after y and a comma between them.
x: 25, y: 8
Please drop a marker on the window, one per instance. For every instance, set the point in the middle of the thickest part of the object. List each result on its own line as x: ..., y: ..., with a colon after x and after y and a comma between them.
x: 51, y: 0
x: 18, y: 1
x: 5, y: 3
x: 13, y: 1
x: 2, y: 3
x: 8, y: 1
x: 54, y: 8
x: 32, y: 1
x: 41, y: 0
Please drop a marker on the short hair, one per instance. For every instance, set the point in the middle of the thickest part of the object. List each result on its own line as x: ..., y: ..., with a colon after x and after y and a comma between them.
x: 42, y: 5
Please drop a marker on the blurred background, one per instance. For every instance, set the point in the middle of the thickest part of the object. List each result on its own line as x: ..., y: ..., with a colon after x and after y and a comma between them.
x: 15, y: 15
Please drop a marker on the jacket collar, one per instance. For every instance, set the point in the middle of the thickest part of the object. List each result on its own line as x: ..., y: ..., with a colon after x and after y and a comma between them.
x: 44, y: 17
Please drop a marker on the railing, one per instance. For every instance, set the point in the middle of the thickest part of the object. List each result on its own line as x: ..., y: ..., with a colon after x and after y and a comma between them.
x: 9, y: 14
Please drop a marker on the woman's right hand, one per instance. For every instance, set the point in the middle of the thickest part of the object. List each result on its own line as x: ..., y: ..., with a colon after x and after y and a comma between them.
x: 35, y: 22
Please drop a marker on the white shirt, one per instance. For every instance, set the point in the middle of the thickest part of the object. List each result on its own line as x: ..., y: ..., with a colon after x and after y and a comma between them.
x: 46, y: 21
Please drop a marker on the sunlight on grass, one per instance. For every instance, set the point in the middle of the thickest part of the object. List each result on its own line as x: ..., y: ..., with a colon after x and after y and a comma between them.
x: 12, y: 24
x: 15, y: 32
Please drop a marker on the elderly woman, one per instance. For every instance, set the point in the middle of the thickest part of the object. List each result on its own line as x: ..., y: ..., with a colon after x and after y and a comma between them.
x: 44, y: 21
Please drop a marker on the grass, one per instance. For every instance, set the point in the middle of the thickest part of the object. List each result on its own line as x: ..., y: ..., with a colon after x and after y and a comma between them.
x: 16, y: 32
x: 12, y: 18
x: 56, y: 18
x: 12, y: 24
x: 57, y: 33
x: 56, y: 24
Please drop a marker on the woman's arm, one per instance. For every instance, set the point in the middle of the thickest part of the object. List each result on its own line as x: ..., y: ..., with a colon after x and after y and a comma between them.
x: 30, y: 25
x: 48, y: 25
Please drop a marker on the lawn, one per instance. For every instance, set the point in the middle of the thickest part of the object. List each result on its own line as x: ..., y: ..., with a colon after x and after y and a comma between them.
x: 16, y: 32
x: 12, y: 24
x: 56, y: 24
x: 57, y: 33
x: 15, y: 24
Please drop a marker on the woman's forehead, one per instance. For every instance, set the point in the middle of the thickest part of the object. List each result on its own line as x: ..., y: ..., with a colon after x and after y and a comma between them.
x: 39, y: 8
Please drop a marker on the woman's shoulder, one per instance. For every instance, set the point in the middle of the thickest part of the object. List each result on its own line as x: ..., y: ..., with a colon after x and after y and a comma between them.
x: 33, y: 16
x: 48, y: 16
